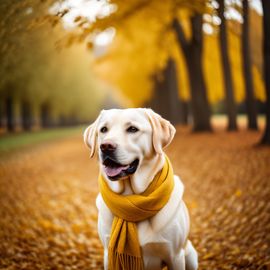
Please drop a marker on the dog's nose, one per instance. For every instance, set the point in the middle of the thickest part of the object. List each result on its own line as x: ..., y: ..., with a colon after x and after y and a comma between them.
x: 108, y: 147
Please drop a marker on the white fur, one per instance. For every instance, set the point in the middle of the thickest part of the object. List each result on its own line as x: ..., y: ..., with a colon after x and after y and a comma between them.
x: 164, y: 237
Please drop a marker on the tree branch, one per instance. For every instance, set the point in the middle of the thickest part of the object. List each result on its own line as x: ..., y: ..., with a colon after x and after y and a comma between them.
x: 119, y: 17
x: 180, y: 34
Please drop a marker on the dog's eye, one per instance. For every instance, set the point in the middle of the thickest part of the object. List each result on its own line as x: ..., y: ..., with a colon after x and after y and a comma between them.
x: 103, y: 129
x: 132, y: 129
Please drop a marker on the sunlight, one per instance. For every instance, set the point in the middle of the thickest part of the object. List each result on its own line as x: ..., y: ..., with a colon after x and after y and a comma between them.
x: 105, y: 37
x: 88, y: 9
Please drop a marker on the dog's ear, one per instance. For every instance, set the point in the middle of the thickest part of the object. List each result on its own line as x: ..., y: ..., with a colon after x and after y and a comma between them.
x: 90, y: 136
x: 163, y: 130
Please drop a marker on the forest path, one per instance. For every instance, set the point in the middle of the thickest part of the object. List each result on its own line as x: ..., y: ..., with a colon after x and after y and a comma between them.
x: 48, y: 215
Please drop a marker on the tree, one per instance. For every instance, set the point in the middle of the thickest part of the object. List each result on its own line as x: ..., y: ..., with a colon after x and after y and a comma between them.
x: 227, y: 75
x: 176, y: 105
x: 27, y: 115
x: 10, y: 114
x: 2, y: 114
x: 139, y: 50
x: 192, y: 50
x: 266, y: 53
x: 248, y: 78
x: 38, y: 81
x: 166, y: 100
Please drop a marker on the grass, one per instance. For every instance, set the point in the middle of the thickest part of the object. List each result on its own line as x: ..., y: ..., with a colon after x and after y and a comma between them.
x: 10, y: 142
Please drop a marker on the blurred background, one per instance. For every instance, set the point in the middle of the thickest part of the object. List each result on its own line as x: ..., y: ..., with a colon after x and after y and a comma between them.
x: 64, y: 61
x: 202, y: 64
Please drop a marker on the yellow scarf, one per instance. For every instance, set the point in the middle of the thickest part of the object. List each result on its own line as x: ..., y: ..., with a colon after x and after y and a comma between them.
x: 124, y: 246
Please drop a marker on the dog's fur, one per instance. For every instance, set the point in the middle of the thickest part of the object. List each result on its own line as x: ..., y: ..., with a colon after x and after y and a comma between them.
x: 164, y: 237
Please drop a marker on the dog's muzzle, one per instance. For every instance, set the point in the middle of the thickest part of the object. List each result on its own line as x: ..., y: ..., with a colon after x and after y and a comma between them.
x: 115, y: 170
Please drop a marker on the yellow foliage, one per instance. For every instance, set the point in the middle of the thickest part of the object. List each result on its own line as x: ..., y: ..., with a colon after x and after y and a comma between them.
x: 141, y: 50
x: 213, y: 69
x: 236, y: 66
x: 136, y: 54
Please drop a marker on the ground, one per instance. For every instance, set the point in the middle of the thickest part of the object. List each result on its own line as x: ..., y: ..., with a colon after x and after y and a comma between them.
x: 48, y: 218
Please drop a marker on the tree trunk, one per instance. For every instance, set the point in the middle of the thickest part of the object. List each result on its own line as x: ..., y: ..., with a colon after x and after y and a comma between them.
x: 266, y: 54
x: 27, y: 119
x: 2, y: 114
x: 159, y: 102
x: 192, y: 50
x: 193, y: 57
x: 166, y: 100
x: 246, y: 62
x: 175, y: 105
x: 184, y: 105
x: 10, y: 114
x: 227, y: 75
x: 46, y: 120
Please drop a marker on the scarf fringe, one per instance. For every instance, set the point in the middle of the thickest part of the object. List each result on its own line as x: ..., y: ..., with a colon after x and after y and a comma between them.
x: 122, y: 261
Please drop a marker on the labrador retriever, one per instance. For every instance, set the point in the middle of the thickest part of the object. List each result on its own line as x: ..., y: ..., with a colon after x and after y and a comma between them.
x: 130, y: 145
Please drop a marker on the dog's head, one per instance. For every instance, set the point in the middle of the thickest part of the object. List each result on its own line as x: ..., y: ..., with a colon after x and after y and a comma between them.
x: 124, y: 138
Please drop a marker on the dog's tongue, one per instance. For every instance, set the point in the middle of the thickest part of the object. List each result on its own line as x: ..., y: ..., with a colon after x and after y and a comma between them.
x: 111, y: 172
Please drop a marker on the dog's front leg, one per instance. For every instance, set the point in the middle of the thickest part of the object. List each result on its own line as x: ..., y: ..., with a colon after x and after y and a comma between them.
x: 105, y: 259
x: 177, y: 262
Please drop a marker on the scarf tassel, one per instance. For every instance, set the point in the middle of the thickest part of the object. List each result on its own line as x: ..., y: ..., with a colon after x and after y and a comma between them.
x: 122, y: 261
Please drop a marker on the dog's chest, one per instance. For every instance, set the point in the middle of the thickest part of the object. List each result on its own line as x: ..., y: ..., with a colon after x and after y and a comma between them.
x: 159, y: 230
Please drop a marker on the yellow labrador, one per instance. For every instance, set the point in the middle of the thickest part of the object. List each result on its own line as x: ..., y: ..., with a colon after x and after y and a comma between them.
x: 130, y: 145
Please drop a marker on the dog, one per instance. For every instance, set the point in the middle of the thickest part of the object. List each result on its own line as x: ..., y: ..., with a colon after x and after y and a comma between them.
x: 130, y: 145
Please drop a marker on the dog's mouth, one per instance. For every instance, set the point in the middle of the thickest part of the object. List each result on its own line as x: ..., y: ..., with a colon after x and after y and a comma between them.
x: 115, y: 170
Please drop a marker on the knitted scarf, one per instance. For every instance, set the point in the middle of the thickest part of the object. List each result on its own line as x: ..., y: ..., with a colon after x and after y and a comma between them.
x: 124, y: 247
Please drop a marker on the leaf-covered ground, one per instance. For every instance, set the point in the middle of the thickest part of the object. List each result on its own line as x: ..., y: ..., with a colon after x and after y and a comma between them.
x: 47, y: 202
